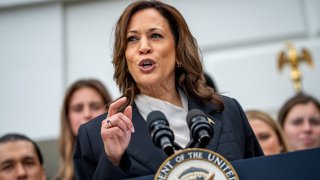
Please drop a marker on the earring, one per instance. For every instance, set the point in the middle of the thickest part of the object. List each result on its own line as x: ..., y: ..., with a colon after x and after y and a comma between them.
x: 179, y: 65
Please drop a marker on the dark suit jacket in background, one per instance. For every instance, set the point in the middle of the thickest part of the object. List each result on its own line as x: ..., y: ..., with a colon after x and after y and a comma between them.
x: 233, y: 139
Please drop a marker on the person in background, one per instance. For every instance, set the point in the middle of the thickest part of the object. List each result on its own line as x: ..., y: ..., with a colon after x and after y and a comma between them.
x: 300, y: 119
x: 20, y: 158
x: 84, y: 100
x: 157, y: 67
x: 268, y: 132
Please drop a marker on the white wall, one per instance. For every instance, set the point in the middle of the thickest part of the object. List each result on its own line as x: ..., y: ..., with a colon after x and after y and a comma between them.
x: 89, y: 28
x: 31, y: 70
x: 46, y: 46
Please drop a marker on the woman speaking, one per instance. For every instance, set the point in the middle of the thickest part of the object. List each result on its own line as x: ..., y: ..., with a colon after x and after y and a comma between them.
x: 157, y: 67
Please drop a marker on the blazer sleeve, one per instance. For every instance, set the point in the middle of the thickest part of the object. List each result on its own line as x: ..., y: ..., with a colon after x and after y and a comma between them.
x: 88, y: 166
x: 252, y: 145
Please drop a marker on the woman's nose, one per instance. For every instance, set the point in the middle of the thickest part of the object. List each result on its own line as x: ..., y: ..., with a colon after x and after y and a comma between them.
x: 145, y: 46
x: 307, y: 126
x: 87, y: 113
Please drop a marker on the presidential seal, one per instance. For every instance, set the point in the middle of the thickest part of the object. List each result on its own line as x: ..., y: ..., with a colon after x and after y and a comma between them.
x: 196, y: 164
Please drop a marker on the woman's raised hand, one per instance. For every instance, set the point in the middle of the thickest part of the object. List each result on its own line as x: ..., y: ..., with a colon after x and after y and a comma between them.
x: 116, y: 131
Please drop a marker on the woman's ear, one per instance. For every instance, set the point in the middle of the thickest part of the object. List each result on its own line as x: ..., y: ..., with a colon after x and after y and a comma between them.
x: 178, y: 64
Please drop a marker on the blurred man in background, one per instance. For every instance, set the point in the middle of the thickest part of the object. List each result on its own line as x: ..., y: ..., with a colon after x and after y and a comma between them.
x: 20, y: 158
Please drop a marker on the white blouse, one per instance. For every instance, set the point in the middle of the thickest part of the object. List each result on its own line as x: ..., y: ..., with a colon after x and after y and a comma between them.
x: 176, y: 115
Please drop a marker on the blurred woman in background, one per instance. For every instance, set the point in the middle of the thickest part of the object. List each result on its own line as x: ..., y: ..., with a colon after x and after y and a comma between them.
x: 84, y: 100
x: 268, y: 132
x: 300, y: 119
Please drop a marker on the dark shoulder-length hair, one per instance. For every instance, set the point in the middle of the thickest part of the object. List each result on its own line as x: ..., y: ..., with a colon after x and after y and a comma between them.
x: 189, y: 77
x: 300, y: 98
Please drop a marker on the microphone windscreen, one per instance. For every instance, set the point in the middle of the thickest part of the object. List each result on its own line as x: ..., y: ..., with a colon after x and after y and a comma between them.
x: 155, y: 116
x: 193, y: 113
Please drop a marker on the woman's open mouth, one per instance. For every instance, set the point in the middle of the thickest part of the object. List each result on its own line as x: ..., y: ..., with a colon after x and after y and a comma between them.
x: 147, y: 65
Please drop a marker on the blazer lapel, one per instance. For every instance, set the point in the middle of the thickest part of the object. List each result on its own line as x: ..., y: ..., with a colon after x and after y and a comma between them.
x: 141, y: 147
x: 211, y: 111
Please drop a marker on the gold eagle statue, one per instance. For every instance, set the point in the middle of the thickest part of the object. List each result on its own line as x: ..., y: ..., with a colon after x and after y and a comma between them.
x: 293, y: 59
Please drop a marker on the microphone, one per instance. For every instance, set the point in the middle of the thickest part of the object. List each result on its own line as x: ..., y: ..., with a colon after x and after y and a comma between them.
x: 162, y: 136
x: 200, y: 128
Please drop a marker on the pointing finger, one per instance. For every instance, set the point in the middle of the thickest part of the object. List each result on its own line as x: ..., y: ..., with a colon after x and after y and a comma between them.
x: 113, y: 108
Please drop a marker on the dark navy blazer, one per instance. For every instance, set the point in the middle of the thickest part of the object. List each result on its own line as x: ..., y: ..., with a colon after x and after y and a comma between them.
x: 233, y: 139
